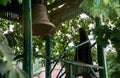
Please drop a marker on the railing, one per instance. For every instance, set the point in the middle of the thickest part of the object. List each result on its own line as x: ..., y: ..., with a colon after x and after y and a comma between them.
x: 71, y: 63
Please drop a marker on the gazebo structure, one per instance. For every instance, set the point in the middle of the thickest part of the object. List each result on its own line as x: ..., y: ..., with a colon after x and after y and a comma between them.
x: 22, y: 13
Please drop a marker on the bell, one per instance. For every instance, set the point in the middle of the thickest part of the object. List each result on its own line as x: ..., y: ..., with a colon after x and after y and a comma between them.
x: 41, y: 23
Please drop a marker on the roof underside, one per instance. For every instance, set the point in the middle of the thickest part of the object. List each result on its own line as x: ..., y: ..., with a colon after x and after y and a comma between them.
x: 60, y: 10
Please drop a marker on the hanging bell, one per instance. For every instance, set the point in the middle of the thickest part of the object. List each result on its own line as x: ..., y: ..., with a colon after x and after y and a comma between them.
x: 41, y: 23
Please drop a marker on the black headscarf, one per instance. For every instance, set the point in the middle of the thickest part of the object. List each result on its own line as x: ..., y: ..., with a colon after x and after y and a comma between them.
x: 83, y: 53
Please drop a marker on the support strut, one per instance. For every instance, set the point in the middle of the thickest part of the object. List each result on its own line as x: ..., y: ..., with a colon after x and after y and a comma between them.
x: 101, y: 55
x: 48, y: 54
x: 28, y: 53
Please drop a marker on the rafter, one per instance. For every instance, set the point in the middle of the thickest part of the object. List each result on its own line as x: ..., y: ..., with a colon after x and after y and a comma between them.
x: 68, y: 11
x: 57, y: 3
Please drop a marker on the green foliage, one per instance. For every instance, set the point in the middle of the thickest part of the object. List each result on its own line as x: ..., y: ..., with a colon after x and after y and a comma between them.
x: 16, y: 73
x: 101, y: 7
x: 94, y: 54
x: 4, y: 2
x: 20, y: 1
x: 103, y: 34
x: 86, y: 4
x: 113, y: 65
x: 7, y: 68
x: 106, y: 34
x: 14, y: 36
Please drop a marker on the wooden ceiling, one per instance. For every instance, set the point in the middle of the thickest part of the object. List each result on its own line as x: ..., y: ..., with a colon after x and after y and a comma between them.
x: 59, y: 10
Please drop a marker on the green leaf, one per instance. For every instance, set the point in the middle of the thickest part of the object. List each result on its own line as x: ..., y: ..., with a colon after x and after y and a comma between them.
x: 13, y: 74
x: 105, y: 12
x: 4, y: 2
x: 102, y: 41
x: 6, y: 51
x: 21, y: 73
x: 20, y: 1
x: 3, y: 67
x: 86, y: 4
x: 11, y: 39
x: 118, y: 11
x: 3, y: 38
x: 95, y: 11
x: 50, y: 1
